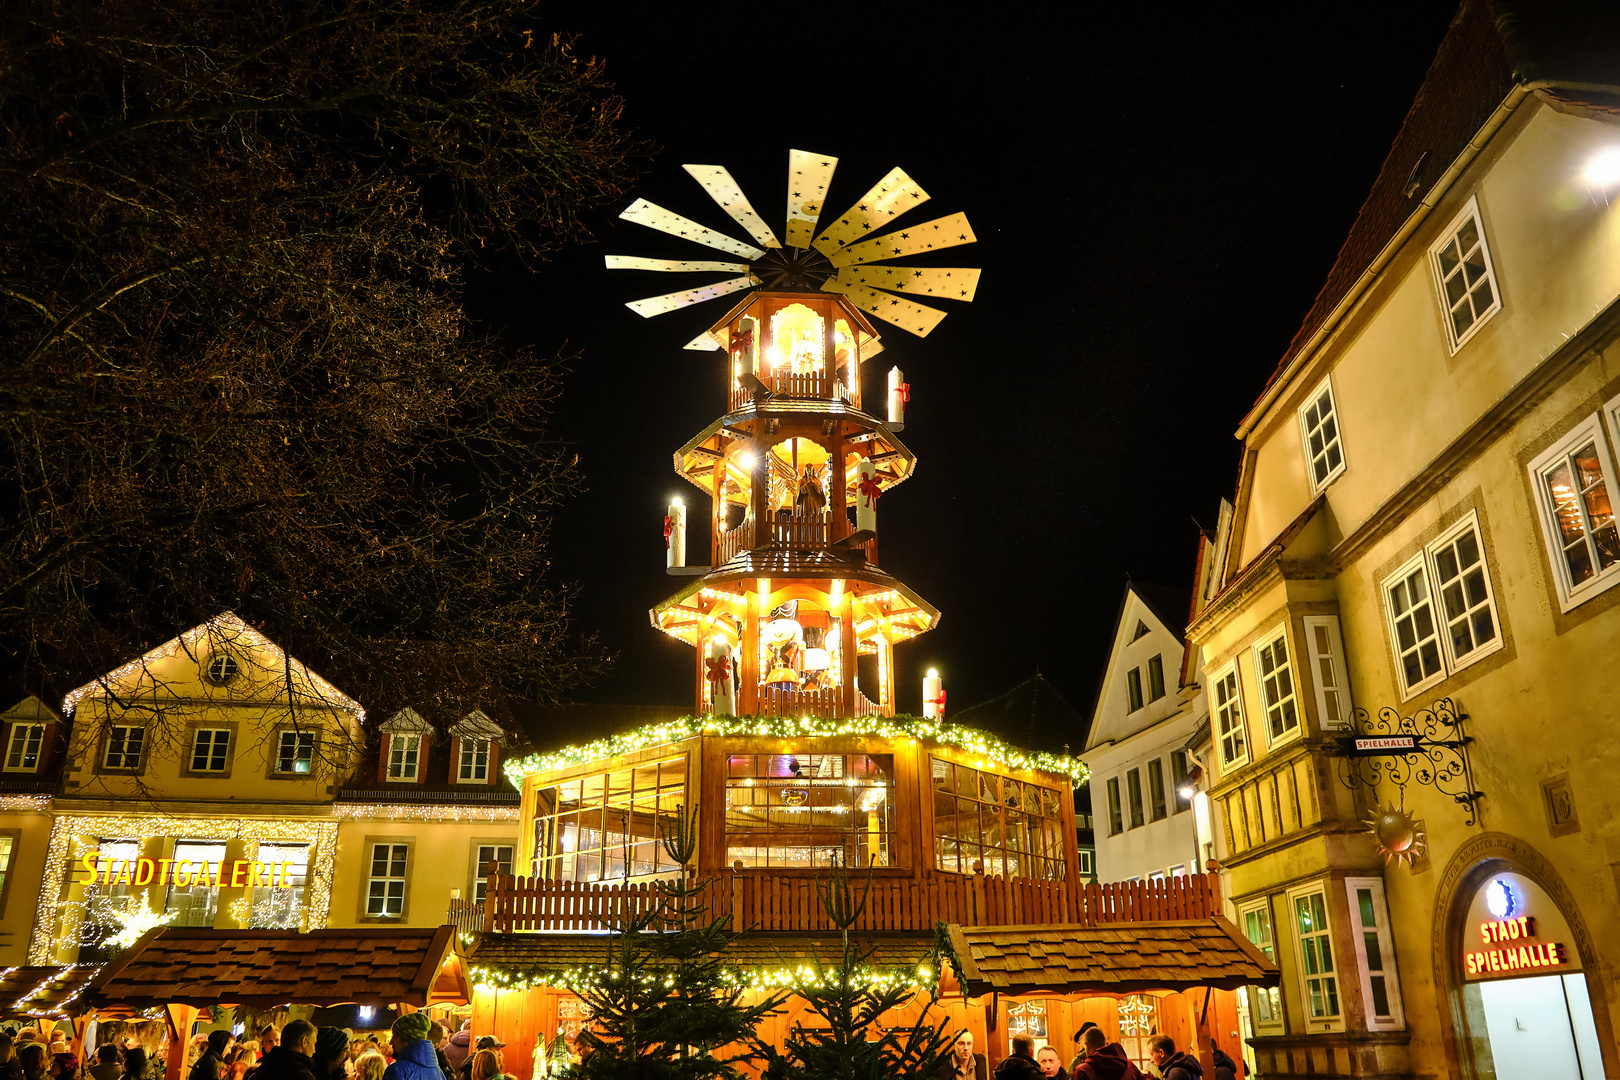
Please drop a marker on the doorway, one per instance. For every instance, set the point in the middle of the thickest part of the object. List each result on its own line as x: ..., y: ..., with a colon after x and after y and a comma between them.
x: 1541, y: 1026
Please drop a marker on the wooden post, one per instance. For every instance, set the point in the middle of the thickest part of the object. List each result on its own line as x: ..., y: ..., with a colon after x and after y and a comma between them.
x: 1206, y: 1045
x: 180, y: 1018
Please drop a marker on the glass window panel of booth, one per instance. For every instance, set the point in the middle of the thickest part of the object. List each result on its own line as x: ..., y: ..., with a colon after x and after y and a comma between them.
x: 196, y: 901
x: 1013, y: 828
x: 803, y: 810
x: 606, y: 826
x: 280, y: 906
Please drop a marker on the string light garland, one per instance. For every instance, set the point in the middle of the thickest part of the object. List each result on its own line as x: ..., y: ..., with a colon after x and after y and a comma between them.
x: 577, y: 980
x: 66, y: 831
x: 981, y: 743
x: 407, y: 812
x: 25, y: 802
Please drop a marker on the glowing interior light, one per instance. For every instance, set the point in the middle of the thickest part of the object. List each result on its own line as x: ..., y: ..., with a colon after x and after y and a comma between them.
x: 747, y: 459
x: 1603, y: 170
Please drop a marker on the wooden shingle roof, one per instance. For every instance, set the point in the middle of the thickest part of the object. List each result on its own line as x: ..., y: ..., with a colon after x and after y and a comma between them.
x: 44, y: 991
x: 1116, y: 958
x: 364, y: 965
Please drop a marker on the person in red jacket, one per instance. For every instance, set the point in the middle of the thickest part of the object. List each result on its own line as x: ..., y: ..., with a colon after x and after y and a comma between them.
x: 1105, y: 1060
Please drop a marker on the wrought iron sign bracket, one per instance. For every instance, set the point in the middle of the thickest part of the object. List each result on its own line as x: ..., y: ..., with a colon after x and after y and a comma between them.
x: 1427, y: 748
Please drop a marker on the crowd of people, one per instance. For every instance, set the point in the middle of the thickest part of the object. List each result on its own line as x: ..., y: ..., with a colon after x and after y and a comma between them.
x: 1095, y: 1059
x: 417, y: 1048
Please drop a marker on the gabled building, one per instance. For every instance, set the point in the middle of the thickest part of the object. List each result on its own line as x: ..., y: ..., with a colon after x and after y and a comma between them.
x: 1422, y: 555
x: 1136, y: 748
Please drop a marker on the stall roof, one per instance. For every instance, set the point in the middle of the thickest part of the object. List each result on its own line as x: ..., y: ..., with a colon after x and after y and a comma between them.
x: 371, y: 966
x: 1117, y: 958
x: 541, y: 953
x: 44, y: 991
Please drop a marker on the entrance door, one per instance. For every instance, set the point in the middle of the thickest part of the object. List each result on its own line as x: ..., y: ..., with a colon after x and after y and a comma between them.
x: 1541, y: 1026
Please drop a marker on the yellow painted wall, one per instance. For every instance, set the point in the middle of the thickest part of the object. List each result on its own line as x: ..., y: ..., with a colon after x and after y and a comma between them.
x: 441, y: 860
x: 22, y: 881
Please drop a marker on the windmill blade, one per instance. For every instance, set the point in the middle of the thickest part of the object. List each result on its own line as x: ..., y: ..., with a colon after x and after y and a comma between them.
x: 893, y: 196
x: 947, y: 282
x: 659, y: 305
x: 636, y: 262
x: 654, y: 216
x: 704, y: 342
x: 717, y: 181
x: 906, y: 314
x: 929, y: 236
x: 808, y: 177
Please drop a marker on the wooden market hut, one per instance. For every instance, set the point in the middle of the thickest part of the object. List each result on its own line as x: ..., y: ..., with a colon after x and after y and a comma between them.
x: 179, y: 973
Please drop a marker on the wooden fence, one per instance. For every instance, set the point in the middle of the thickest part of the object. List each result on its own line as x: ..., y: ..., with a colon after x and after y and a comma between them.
x: 765, y: 902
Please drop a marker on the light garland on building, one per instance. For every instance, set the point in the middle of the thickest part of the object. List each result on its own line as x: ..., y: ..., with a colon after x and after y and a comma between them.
x: 971, y: 740
x: 579, y: 980
x: 25, y: 802
x: 408, y: 812
x: 320, y: 835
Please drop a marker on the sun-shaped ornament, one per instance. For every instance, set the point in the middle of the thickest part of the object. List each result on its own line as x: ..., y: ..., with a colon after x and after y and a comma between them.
x: 1397, y: 837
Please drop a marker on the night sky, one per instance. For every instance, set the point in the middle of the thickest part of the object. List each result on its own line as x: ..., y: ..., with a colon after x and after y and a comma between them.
x: 1158, y: 194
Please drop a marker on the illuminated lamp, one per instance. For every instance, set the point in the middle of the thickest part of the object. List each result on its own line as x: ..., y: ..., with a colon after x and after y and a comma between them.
x: 747, y: 459
x: 1189, y: 785
x: 1602, y: 174
x: 1501, y: 900
x: 816, y: 660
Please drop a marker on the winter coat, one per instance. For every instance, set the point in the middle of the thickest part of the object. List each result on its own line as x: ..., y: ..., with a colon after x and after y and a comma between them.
x: 1225, y: 1067
x: 282, y: 1063
x: 947, y: 1068
x: 1108, y: 1063
x: 209, y: 1067
x: 460, y: 1048
x: 1181, y: 1067
x: 1018, y: 1067
x: 418, y: 1062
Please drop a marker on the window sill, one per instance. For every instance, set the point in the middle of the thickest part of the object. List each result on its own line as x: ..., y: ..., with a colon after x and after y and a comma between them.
x: 1599, y: 585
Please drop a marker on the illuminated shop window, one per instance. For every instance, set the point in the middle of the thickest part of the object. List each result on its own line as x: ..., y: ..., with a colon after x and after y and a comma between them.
x: 195, y: 904
x: 809, y: 810
x: 91, y: 922
x: 605, y: 826
x: 281, y: 907
x: 1014, y: 828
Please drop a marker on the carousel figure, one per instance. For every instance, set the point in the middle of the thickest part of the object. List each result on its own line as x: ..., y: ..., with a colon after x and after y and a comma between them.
x: 783, y: 639
x: 811, y: 499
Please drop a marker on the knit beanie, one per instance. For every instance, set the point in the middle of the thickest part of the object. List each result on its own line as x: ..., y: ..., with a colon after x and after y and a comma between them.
x: 412, y: 1026
x: 330, y: 1042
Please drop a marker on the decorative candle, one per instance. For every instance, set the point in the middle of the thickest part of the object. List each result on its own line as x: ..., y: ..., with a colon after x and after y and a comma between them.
x: 933, y: 696
x: 899, y: 394
x: 675, y: 533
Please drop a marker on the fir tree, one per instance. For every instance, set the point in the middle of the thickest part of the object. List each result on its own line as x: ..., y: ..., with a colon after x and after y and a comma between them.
x: 667, y: 1005
x: 852, y: 1003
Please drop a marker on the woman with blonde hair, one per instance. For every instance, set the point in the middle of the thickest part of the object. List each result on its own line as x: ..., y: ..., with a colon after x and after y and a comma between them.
x: 370, y: 1066
x: 486, y: 1066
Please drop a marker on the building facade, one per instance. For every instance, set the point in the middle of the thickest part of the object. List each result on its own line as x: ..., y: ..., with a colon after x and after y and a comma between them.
x: 1422, y: 553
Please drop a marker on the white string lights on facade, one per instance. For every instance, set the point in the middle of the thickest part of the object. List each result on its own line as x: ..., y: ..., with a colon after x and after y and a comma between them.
x: 409, y: 812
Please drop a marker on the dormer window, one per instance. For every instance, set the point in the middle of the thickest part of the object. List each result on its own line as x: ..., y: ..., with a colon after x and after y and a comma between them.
x: 404, y: 758
x: 22, y: 752
x: 474, y: 761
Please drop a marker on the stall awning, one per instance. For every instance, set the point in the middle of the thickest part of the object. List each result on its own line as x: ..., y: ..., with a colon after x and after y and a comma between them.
x: 364, y: 965
x: 1116, y: 958
x: 44, y: 991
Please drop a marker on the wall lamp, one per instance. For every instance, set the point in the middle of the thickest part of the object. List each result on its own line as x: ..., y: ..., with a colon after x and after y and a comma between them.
x: 1602, y: 175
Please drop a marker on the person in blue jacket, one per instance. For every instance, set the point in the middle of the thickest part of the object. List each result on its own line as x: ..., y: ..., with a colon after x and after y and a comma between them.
x: 414, y: 1055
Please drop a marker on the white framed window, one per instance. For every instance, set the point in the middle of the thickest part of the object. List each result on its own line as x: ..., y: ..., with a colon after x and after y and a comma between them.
x: 474, y: 768
x: 210, y: 750
x: 404, y: 757
x: 1133, y: 689
x: 1441, y: 609
x: 385, y: 884
x: 1275, y: 673
x: 1116, y: 819
x: 1178, y: 781
x: 1133, y: 791
x: 1325, y: 647
x: 1318, y: 971
x: 500, y: 854
x: 1375, y: 954
x: 1086, y: 867
x: 1573, y: 481
x: 1464, y: 276
x: 295, y: 753
x: 1155, y: 875
x: 1155, y: 678
x: 1156, y: 799
x: 1319, y: 427
x: 123, y: 749
x: 22, y: 752
x: 1229, y: 718
x: 1178, y: 870
x: 1265, y: 1003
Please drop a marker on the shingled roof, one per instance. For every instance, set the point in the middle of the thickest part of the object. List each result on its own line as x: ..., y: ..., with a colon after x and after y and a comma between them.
x: 1122, y: 958
x: 44, y: 991
x: 365, y: 966
x: 540, y: 953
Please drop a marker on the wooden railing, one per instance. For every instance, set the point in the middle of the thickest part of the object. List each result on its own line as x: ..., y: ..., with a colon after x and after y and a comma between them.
x: 863, y: 707
x: 811, y: 384
x: 823, y: 703
x: 799, y: 532
x: 733, y: 541
x: 765, y: 902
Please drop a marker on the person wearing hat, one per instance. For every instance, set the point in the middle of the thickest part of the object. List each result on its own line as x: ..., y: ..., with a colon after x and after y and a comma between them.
x: 461, y: 1046
x: 414, y: 1056
x: 331, y: 1053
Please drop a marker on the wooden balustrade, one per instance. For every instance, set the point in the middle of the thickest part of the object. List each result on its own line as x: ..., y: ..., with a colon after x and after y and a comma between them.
x: 733, y: 541
x: 763, y: 901
x: 799, y: 532
x: 863, y: 707
x: 823, y: 703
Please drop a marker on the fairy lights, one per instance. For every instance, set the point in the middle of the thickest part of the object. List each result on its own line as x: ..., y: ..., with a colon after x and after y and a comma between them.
x: 395, y: 812
x: 67, y: 831
x: 25, y: 802
x: 971, y: 740
x: 577, y: 980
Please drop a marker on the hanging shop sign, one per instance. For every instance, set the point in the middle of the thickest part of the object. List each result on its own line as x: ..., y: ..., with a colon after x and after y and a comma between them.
x: 1390, y: 751
x: 1514, y: 929
x: 182, y: 873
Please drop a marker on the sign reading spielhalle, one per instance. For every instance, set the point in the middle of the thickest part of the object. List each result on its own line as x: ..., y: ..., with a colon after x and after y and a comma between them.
x: 1515, y: 929
x: 182, y: 873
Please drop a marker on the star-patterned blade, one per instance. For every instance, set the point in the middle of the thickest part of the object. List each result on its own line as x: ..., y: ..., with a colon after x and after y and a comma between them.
x: 893, y: 196
x: 949, y: 282
x: 673, y: 266
x: 659, y: 305
x: 808, y: 177
x: 704, y: 342
x: 929, y: 236
x: 717, y: 181
x: 654, y: 216
x: 906, y: 314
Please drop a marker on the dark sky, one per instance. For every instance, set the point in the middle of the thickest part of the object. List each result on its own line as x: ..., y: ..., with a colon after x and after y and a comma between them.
x: 1158, y: 192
